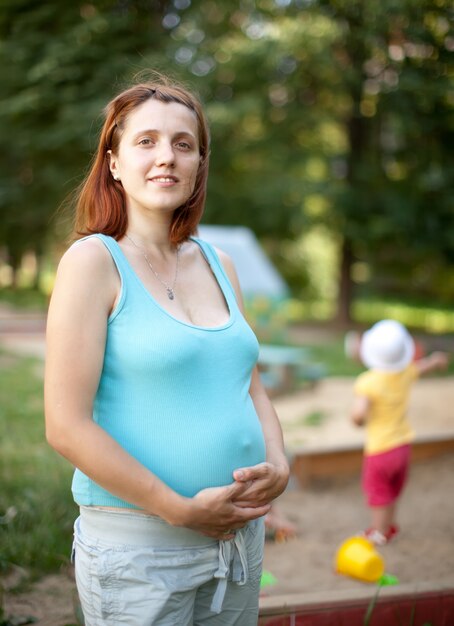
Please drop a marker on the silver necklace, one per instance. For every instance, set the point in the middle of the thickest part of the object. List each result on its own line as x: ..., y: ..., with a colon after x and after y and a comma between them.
x: 170, y: 289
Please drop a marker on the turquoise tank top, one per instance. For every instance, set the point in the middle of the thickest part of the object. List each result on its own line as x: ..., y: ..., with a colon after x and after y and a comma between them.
x: 175, y: 395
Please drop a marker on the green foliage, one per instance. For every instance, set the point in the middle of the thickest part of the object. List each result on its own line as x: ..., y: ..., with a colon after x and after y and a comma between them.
x: 36, y: 508
x: 59, y: 64
x: 416, y: 314
x: 323, y: 112
x: 28, y: 299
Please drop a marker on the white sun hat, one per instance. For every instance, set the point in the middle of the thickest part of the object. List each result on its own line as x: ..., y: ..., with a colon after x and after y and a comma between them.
x: 387, y: 346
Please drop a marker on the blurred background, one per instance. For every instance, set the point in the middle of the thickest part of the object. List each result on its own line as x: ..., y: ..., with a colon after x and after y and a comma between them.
x: 332, y: 134
x: 332, y: 158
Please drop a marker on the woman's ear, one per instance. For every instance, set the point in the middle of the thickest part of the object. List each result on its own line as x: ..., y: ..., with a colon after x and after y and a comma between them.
x: 113, y: 165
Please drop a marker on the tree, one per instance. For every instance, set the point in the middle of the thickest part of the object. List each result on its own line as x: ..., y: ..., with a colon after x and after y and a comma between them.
x: 333, y: 112
x: 323, y: 111
x: 59, y: 64
x: 396, y: 125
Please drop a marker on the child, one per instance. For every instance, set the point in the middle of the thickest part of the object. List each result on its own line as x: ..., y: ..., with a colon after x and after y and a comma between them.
x: 382, y: 395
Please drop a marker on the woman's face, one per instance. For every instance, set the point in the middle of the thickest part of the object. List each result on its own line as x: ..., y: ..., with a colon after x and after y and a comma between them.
x: 158, y: 156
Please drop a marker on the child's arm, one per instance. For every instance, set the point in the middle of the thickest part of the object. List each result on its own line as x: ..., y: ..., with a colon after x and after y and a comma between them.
x: 435, y: 361
x: 360, y: 410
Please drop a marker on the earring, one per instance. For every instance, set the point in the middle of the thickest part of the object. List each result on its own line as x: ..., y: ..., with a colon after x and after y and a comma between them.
x: 116, y: 178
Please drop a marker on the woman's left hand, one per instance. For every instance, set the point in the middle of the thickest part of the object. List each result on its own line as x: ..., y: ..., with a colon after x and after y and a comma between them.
x: 266, y: 482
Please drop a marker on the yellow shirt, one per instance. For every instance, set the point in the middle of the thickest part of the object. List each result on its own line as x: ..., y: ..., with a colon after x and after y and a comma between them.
x: 388, y: 392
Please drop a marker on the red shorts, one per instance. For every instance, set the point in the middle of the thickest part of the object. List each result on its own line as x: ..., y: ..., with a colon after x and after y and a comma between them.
x: 385, y: 474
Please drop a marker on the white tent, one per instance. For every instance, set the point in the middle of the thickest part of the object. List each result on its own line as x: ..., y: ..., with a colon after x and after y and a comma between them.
x: 256, y: 273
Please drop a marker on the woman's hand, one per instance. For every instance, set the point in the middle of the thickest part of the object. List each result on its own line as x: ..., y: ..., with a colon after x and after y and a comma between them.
x: 215, y: 513
x: 264, y: 482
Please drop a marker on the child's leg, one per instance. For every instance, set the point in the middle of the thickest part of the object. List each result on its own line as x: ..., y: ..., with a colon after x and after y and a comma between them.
x: 384, y: 477
x: 382, y: 517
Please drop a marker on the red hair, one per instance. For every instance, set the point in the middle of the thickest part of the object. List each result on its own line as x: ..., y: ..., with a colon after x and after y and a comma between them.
x: 101, y: 202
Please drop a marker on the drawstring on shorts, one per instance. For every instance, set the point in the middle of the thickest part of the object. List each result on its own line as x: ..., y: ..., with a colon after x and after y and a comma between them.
x: 232, y: 558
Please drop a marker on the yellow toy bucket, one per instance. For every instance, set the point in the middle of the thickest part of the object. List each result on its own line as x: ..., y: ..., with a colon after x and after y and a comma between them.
x: 357, y: 557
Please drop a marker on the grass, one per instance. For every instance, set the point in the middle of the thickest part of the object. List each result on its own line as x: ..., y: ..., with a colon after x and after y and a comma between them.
x: 315, y: 418
x: 36, y: 508
x: 434, y: 317
x: 28, y: 299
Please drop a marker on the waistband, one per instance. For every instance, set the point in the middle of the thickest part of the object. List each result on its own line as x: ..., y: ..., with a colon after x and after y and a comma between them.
x: 137, y: 529
x: 142, y: 530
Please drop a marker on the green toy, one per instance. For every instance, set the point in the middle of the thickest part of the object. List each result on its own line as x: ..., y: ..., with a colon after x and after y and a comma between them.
x: 387, y: 580
x: 267, y: 579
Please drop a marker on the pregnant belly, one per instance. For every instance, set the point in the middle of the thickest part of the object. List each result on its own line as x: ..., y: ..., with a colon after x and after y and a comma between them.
x: 201, y: 456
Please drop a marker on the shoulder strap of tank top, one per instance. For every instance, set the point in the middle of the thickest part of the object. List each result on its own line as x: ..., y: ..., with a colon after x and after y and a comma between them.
x: 115, y: 252
x: 216, y: 265
x: 121, y: 264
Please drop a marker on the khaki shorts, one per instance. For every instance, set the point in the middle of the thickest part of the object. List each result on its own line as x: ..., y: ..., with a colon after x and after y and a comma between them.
x: 138, y: 570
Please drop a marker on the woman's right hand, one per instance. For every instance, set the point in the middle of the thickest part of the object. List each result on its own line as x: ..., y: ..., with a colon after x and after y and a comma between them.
x: 214, y: 513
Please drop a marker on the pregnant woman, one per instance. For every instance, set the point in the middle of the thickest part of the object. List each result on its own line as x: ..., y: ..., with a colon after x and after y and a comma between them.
x: 151, y: 388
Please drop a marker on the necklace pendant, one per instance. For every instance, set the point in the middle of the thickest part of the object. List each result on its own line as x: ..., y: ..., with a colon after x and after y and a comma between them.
x: 170, y: 293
